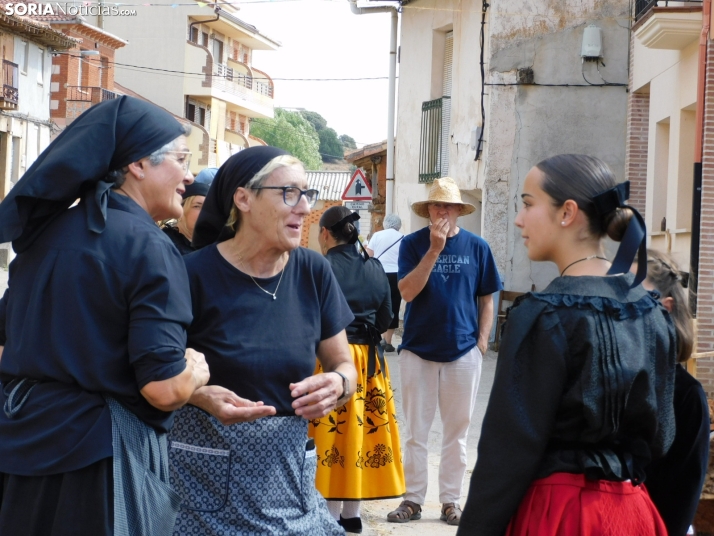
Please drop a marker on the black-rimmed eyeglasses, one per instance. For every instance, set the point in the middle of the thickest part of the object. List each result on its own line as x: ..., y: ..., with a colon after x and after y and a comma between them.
x: 292, y: 194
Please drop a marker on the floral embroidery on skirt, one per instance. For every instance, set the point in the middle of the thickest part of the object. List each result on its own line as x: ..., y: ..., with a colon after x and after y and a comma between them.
x: 358, y: 451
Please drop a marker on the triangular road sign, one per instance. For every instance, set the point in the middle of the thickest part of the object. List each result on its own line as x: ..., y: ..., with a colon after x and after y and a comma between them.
x: 358, y: 188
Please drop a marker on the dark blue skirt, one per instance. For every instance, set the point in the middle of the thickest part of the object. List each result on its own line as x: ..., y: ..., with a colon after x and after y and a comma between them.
x: 77, y: 503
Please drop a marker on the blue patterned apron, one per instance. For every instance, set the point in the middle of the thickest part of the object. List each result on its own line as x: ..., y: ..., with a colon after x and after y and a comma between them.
x: 249, y: 478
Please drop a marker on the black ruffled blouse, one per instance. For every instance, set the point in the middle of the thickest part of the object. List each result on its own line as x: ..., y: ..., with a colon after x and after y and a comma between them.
x: 584, y: 384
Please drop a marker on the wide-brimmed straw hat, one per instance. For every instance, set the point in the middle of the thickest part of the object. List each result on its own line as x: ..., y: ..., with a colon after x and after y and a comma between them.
x: 443, y: 190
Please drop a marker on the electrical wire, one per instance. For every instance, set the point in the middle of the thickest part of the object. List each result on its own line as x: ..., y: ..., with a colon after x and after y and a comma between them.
x: 558, y: 85
x: 482, y: 42
x: 412, y: 7
x: 128, y: 66
x: 606, y: 83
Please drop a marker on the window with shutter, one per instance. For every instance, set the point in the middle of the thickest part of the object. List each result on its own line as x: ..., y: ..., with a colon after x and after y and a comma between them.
x: 436, y: 124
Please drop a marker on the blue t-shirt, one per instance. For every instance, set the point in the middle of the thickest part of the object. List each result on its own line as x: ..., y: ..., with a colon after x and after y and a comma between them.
x: 255, y: 345
x: 89, y: 314
x: 441, y: 323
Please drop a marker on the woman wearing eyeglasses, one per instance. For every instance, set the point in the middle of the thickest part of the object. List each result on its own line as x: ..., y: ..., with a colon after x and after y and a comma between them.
x: 263, y: 308
x: 93, y: 329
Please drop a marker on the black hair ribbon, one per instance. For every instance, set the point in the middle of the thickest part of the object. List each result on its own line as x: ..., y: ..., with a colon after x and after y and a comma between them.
x: 634, y: 243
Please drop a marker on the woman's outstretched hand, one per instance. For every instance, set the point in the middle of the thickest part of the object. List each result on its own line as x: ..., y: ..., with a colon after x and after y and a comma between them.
x: 228, y: 407
x: 317, y: 395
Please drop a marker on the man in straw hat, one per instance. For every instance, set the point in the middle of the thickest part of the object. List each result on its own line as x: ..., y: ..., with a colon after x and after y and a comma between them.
x: 447, y: 276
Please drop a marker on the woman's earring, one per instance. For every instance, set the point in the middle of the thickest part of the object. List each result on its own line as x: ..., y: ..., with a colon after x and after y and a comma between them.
x: 141, y: 175
x: 562, y: 223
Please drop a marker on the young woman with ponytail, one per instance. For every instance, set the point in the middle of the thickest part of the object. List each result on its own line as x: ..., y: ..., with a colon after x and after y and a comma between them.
x: 358, y: 444
x: 582, y: 397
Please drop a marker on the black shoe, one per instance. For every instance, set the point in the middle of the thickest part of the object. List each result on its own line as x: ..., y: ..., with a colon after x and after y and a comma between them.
x: 389, y: 348
x: 352, y: 524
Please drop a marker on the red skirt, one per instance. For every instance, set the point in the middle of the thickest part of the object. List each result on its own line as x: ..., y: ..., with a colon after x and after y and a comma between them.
x: 565, y: 504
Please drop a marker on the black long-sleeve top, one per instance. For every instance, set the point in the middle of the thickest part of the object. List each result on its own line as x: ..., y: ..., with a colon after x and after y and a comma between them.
x: 675, y: 482
x: 366, y: 288
x: 584, y: 384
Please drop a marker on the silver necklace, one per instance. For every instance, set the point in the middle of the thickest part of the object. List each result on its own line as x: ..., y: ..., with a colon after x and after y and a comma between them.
x: 240, y: 259
x: 582, y: 260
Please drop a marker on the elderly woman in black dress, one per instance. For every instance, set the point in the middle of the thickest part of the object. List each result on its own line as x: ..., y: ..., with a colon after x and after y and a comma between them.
x: 263, y: 309
x: 93, y: 326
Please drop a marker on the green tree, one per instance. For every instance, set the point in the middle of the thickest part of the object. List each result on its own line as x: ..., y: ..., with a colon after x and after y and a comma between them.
x: 315, y: 119
x: 331, y: 148
x: 292, y: 132
x: 330, y: 145
x: 348, y: 142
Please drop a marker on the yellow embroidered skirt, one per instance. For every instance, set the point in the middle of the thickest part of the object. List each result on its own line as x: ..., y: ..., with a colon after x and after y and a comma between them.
x: 358, y: 451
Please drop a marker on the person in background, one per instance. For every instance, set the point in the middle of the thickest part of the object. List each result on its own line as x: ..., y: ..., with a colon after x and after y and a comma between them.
x: 263, y: 308
x: 93, y: 326
x: 582, y: 396
x: 384, y: 246
x: 675, y: 481
x: 358, y: 443
x: 206, y: 175
x: 447, y: 276
x: 181, y: 231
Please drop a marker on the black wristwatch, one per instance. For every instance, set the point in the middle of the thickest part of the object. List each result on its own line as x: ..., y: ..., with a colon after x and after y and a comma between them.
x: 345, y: 385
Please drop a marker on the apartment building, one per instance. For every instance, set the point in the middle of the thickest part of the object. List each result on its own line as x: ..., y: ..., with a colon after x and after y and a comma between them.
x: 197, y: 63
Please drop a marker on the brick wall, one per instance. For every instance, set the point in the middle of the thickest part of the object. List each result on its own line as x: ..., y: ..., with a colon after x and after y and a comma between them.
x: 314, y: 219
x: 705, y: 300
x: 97, y: 71
x: 638, y: 114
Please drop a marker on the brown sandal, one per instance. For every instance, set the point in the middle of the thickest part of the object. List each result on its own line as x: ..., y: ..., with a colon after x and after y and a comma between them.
x: 451, y: 513
x: 405, y: 512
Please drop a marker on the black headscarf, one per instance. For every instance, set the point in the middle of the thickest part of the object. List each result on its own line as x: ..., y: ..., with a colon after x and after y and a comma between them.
x: 237, y: 171
x: 105, y: 138
x: 196, y: 188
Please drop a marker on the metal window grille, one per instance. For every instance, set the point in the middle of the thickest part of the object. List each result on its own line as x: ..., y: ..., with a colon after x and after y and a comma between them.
x: 434, y: 135
x: 642, y: 7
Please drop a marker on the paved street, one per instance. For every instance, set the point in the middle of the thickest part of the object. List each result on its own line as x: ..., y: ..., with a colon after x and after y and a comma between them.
x: 374, y: 513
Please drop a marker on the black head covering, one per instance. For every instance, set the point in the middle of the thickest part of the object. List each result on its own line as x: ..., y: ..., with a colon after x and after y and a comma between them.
x: 237, y: 171
x: 196, y: 188
x: 106, y: 137
x: 335, y: 219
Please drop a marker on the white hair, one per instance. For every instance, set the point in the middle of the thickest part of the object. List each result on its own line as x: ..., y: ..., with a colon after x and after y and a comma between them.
x: 392, y: 221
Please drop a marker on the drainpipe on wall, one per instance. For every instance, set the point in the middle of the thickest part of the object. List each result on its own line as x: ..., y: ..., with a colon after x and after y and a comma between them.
x: 389, y: 202
x: 216, y: 10
x: 698, y: 156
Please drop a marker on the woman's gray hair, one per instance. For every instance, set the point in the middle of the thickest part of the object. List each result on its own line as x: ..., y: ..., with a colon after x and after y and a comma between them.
x: 118, y: 176
x: 392, y: 221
